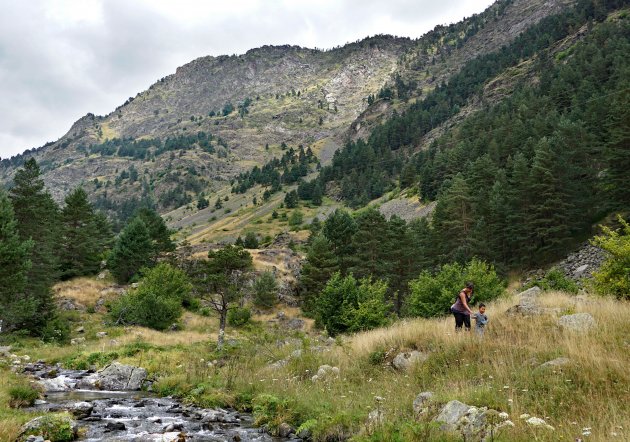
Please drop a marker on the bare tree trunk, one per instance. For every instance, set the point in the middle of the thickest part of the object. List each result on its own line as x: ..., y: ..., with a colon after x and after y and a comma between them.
x: 222, y: 318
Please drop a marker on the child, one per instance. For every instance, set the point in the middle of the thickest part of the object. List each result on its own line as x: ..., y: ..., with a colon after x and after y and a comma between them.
x: 480, y: 319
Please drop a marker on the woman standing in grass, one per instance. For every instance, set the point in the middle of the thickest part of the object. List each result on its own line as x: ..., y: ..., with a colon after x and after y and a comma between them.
x: 460, y: 309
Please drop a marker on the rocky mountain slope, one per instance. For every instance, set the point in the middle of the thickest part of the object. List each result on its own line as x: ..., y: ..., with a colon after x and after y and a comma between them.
x: 190, y: 133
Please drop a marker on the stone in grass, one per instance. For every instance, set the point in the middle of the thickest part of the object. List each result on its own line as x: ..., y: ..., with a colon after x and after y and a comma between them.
x: 450, y: 415
x: 554, y: 363
x: 421, y: 403
x: 284, y: 430
x: 53, y: 427
x: 403, y: 361
x: 579, y: 322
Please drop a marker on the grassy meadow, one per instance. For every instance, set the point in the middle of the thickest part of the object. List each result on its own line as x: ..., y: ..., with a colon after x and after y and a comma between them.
x: 261, y: 371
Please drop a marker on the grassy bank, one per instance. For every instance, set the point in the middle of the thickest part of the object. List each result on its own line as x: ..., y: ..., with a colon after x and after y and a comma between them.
x: 262, y: 373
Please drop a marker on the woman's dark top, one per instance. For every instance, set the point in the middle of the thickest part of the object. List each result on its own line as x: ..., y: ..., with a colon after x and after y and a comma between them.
x: 458, y: 307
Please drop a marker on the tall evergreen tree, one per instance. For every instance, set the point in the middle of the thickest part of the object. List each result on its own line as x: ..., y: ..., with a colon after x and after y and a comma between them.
x: 17, y: 308
x: 339, y: 229
x: 80, y: 254
x: 319, y: 266
x: 37, y: 217
x: 368, y: 244
x: 617, y: 152
x: 158, y: 232
x: 399, y: 252
x: 133, y: 251
x: 453, y: 220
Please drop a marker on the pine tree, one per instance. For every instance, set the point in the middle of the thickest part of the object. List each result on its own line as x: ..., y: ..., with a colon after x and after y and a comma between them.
x: 519, y: 207
x: 37, y: 217
x: 158, y: 232
x: 399, y: 252
x: 79, y: 239
x: 133, y: 251
x: 453, y: 220
x: 17, y: 308
x: 617, y: 153
x: 339, y: 229
x: 368, y: 243
x: 550, y: 217
x: 319, y: 266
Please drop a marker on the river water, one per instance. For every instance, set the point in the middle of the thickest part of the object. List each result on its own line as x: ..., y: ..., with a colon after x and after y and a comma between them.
x: 137, y: 415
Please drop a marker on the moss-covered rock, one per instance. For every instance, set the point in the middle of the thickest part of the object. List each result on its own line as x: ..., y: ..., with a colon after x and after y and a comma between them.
x: 53, y: 427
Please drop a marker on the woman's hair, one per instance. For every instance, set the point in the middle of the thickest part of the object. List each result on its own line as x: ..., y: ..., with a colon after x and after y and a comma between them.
x: 470, y: 285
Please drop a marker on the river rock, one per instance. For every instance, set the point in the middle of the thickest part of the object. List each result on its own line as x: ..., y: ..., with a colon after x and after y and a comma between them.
x: 403, y: 361
x: 81, y: 410
x: 117, y: 376
x: 45, y: 425
x: 579, y: 322
x: 35, y: 439
x: 284, y: 430
x: 115, y: 426
x: 421, y: 402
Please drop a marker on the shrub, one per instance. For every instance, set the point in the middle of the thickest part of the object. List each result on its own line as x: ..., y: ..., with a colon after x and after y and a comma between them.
x: 432, y: 295
x: 56, y: 330
x: 265, y: 289
x: 238, y: 316
x: 613, y: 277
x: 157, y: 302
x: 250, y: 241
x: 22, y: 396
x: 348, y: 305
x: 555, y: 280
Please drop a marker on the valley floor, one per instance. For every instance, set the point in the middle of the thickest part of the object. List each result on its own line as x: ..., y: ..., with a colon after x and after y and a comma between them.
x: 269, y: 369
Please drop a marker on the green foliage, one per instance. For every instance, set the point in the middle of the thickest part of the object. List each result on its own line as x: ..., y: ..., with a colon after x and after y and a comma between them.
x: 271, y: 411
x: 37, y: 217
x: 53, y: 427
x: 348, y: 305
x: 321, y: 263
x: 296, y: 219
x: 250, y: 241
x: 133, y: 251
x: 16, y: 308
x: 81, y: 239
x: 238, y: 316
x: 56, y: 330
x: 159, y: 233
x: 555, y: 279
x: 432, y: 295
x: 157, y: 302
x: 613, y: 278
x: 291, y: 199
x: 265, y: 288
x: 22, y: 395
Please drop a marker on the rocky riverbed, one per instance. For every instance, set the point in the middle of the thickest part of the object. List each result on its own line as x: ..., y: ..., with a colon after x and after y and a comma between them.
x: 133, y: 415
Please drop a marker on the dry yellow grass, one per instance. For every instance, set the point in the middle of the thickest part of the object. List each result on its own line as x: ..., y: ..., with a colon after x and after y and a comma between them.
x: 86, y: 291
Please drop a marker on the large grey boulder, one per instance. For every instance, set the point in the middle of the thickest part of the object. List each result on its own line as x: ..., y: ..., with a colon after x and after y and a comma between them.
x: 476, y: 424
x: 117, y: 376
x: 403, y: 361
x: 450, y: 415
x: 579, y: 322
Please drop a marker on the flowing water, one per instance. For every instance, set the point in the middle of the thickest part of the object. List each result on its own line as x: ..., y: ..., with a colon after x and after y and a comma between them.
x: 138, y: 415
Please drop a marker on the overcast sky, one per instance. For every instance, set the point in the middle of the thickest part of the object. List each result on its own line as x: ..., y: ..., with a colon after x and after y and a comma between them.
x: 60, y: 59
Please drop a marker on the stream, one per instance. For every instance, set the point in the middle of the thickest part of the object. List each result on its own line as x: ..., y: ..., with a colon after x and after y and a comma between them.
x: 138, y: 415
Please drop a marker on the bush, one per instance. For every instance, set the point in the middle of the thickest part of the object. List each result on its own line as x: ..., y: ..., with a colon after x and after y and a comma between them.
x: 157, y: 302
x: 250, y: 241
x: 238, y: 316
x: 56, y: 330
x: 432, y: 295
x: 265, y: 289
x: 613, y: 277
x: 555, y: 280
x: 348, y: 305
x: 22, y: 396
